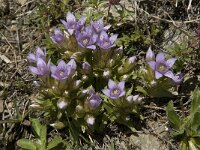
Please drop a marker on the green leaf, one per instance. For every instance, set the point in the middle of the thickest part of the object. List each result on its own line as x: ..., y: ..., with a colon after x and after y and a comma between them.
x: 43, y: 136
x: 129, y: 91
x: 54, y: 143
x: 196, y: 141
x: 192, y: 146
x: 172, y: 116
x: 183, y: 146
x: 36, y: 126
x: 27, y: 144
x: 195, y: 100
x: 141, y: 89
x: 196, y: 121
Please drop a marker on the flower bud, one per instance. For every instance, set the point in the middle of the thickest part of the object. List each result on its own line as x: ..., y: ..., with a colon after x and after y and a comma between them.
x: 66, y: 94
x: 94, y: 101
x: 134, y: 99
x: 58, y: 125
x: 153, y: 83
x: 111, y: 63
x: 86, y: 67
x: 80, y: 112
x: 150, y: 56
x: 106, y: 74
x: 90, y: 120
x: 62, y: 104
x: 84, y: 77
x: 132, y: 60
x: 77, y: 84
x: 125, y: 77
x: 120, y: 70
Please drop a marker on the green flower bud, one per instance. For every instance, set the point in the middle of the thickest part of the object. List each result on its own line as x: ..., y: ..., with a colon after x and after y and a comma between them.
x: 111, y: 63
x: 58, y: 125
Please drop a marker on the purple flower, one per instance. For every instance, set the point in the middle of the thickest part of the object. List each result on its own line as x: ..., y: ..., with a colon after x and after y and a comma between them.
x: 94, y: 101
x: 58, y: 36
x: 41, y: 69
x: 106, y: 42
x: 161, y: 66
x: 115, y: 91
x: 86, y: 67
x: 86, y: 38
x: 32, y: 57
x: 175, y: 78
x: 98, y: 26
x: 62, y: 71
x: 72, y: 66
x: 131, y: 60
x: 150, y: 56
x: 71, y: 24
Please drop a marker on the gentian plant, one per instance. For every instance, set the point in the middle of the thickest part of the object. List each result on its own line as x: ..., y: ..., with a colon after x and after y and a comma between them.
x: 158, y: 75
x: 92, y: 82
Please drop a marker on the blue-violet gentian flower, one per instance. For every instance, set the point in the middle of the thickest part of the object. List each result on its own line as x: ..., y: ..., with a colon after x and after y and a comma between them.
x: 39, y: 53
x: 106, y: 42
x: 86, y: 38
x: 161, y: 66
x: 41, y: 69
x: 57, y: 36
x: 114, y: 90
x: 94, y: 101
x: 60, y: 72
x: 71, y: 24
x: 98, y: 26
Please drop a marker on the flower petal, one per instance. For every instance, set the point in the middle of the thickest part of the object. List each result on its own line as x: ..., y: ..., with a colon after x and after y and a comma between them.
x: 39, y: 52
x: 31, y: 57
x: 111, y: 84
x: 122, y: 94
x: 170, y: 62
x: 107, y: 27
x: 158, y: 75
x: 72, y: 64
x: 53, y: 69
x: 121, y: 85
x: 150, y: 56
x: 169, y: 74
x: 103, y: 35
x: 70, y: 17
x: 62, y: 65
x: 93, y: 47
x: 152, y: 64
x: 71, y: 31
x: 34, y: 70
x: 113, y: 38
x: 64, y: 23
x: 82, y: 20
x: 106, y: 92
x: 160, y: 57
x: 41, y: 63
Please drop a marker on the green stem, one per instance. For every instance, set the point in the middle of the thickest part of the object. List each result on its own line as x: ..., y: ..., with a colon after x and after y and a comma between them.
x: 70, y: 127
